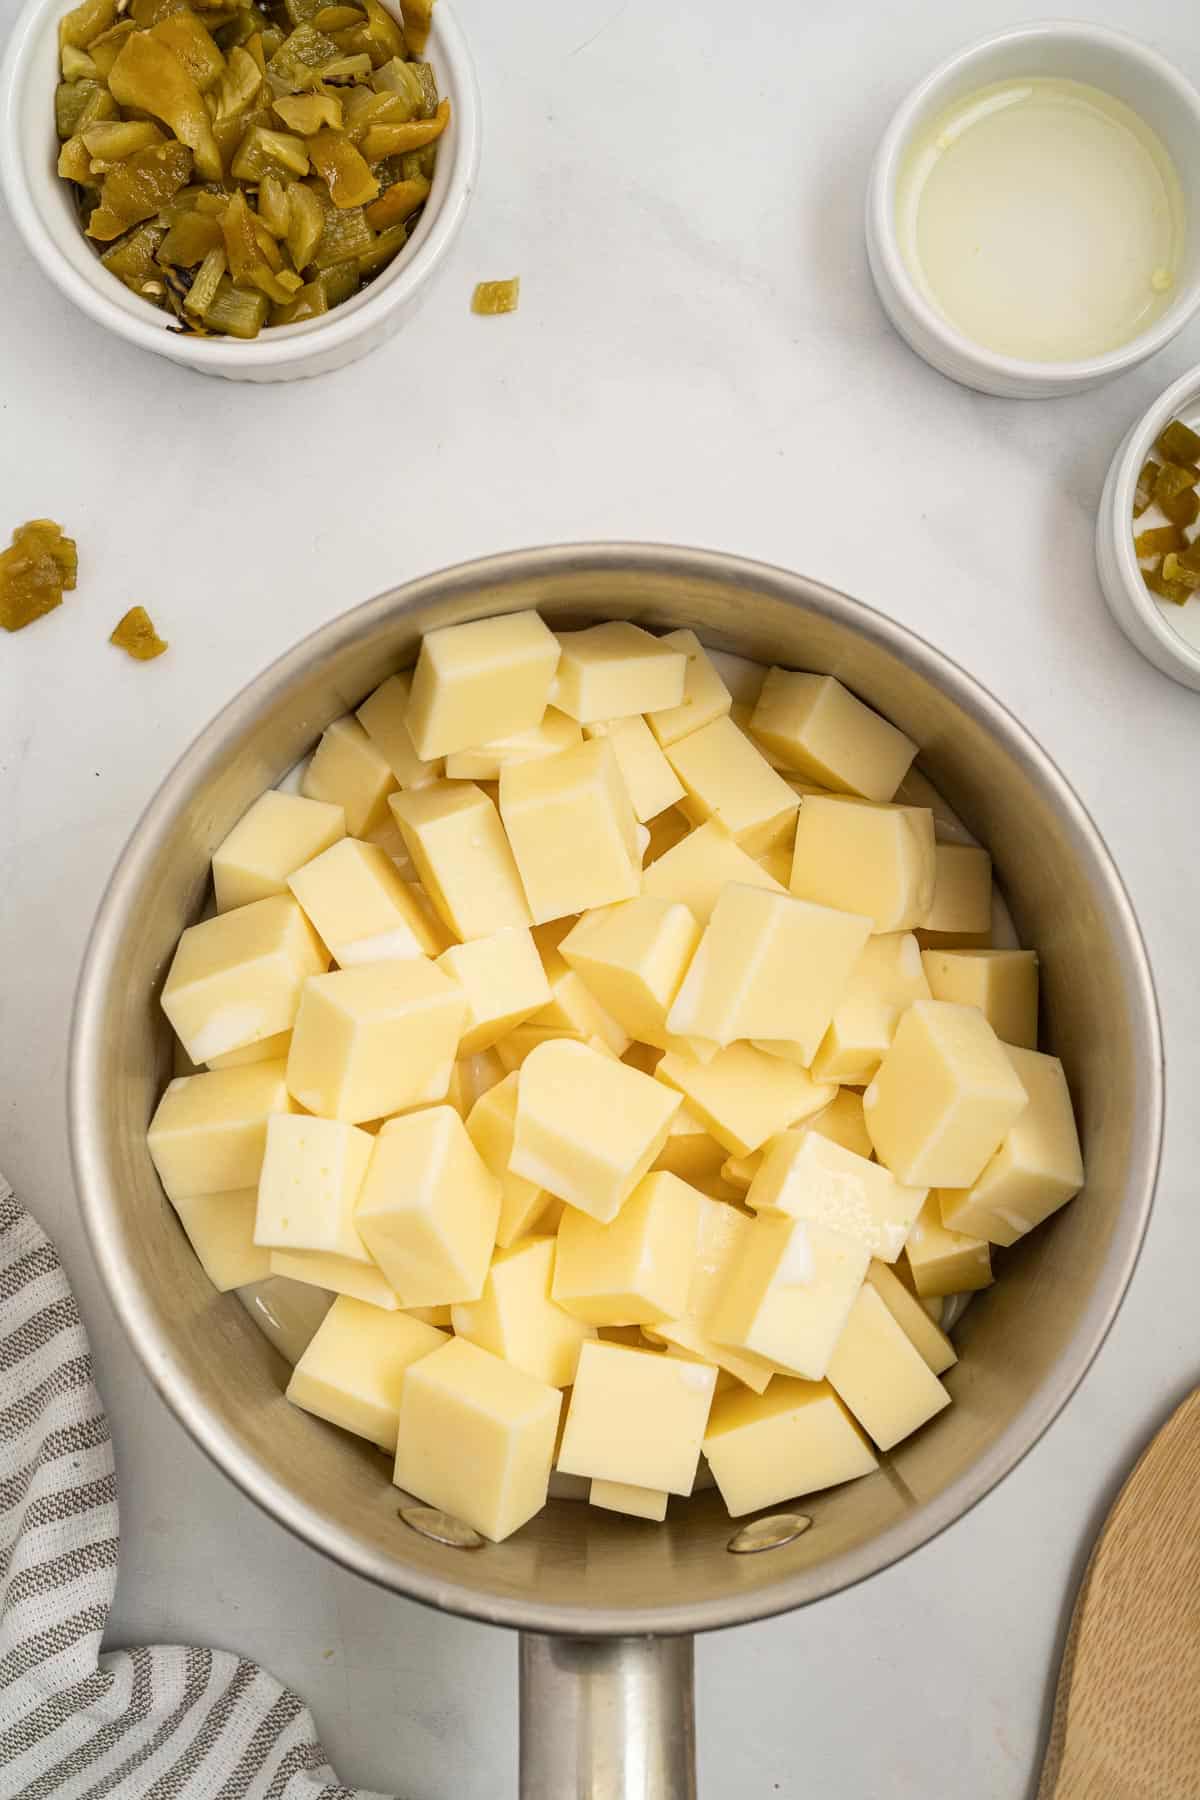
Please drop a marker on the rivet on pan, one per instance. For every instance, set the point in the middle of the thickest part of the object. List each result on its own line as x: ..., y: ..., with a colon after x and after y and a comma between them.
x: 769, y: 1533
x: 441, y: 1527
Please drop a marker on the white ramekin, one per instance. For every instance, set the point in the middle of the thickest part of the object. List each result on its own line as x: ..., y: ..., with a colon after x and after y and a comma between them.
x: 1145, y: 623
x: 1131, y: 72
x: 44, y: 212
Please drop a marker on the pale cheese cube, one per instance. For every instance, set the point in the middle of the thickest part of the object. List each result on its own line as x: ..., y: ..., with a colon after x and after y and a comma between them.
x: 270, y: 1049
x: 348, y: 771
x: 360, y: 906
x: 340, y: 1274
x: 944, y: 1096
x: 277, y: 835
x: 352, y: 1373
x: 611, y: 670
x: 553, y: 733
x: 819, y: 729
x: 777, y: 862
x: 504, y: 983
x: 705, y: 696
x: 587, y: 1127
x: 768, y: 967
x: 462, y: 855
x: 1037, y: 1168
x: 883, y: 984
x: 806, y: 1176
x: 720, y: 1241
x: 666, y: 829
x: 622, y: 1497
x: 795, y: 1439
x: 925, y: 1336
x: 220, y: 1228
x: 479, y: 1075
x: 1003, y: 984
x: 878, y: 1374
x: 637, y: 1269
x: 236, y: 979
x: 743, y: 1096
x: 572, y: 830
x: 369, y: 1041
x: 431, y: 1315
x: 727, y: 778
x: 691, y: 1151
x: 573, y: 1008
x: 941, y: 1261
x: 428, y: 1209
x: 650, y: 781
x: 696, y: 871
x: 311, y: 1178
x: 209, y: 1131
x: 476, y: 682
x: 633, y: 957
x: 790, y: 1292
x: 520, y: 1043
x: 517, y: 1318
x: 636, y: 1417
x: 962, y: 892
x: 384, y: 718
x: 476, y: 1438
x: 742, y: 676
x: 842, y: 1122
x: 865, y: 858
x: 387, y: 837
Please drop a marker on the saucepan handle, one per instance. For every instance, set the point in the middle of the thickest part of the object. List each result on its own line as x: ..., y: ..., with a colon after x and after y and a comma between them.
x: 607, y: 1718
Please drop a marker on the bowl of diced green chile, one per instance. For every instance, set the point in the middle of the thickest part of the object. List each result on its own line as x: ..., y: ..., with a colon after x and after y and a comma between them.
x: 257, y: 188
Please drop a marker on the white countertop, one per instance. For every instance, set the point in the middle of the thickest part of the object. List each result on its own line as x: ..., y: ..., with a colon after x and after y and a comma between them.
x: 698, y: 357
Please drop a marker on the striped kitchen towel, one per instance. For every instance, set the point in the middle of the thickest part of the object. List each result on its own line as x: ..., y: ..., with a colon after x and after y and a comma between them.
x: 76, y: 1722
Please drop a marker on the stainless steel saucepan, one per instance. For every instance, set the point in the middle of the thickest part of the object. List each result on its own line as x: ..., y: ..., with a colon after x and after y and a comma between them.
x: 607, y: 1608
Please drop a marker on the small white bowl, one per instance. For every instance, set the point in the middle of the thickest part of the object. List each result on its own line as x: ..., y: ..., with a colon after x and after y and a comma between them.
x: 1147, y: 622
x: 44, y: 211
x: 1131, y: 72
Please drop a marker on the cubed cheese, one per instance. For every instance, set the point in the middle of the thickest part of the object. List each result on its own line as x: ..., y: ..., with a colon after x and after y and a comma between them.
x: 209, y: 1131
x: 650, y: 781
x: 311, y: 1178
x: 277, y: 835
x: 574, y: 1008
x: 727, y: 778
x: 819, y: 729
x: 455, y: 838
x: 941, y: 1261
x: 237, y: 978
x: 636, y: 1417
x: 962, y: 892
x: 795, y: 1439
x: 842, y: 1122
x: 572, y: 830
x: 516, y: 1317
x: 348, y: 771
x: 878, y: 1374
x: 479, y: 681
x: 742, y: 676
x: 517, y: 1046
x: 633, y: 957
x: 475, y: 1437
x: 806, y: 1176
x: 360, y: 906
x: 720, y: 1240
x: 621, y: 1497
x: 428, y: 1209
x: 491, y: 1124
x: 790, y: 1292
x: 883, y: 984
x: 944, y: 1096
x: 554, y: 732
x: 504, y: 983
x: 340, y: 1274
x: 1003, y: 984
x: 353, y: 1371
x: 865, y: 858
x: 384, y: 718
x: 696, y: 871
x: 220, y: 1228
x: 705, y: 696
x: 929, y: 1341
x: 691, y: 1151
x: 369, y: 1041
x: 612, y: 670
x: 666, y: 829
x: 271, y: 1049
x: 638, y: 1268
x: 743, y: 1096
x: 1037, y: 1168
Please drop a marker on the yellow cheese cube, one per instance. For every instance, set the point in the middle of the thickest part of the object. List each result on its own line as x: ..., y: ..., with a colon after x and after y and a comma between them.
x: 270, y: 1049
x: 743, y: 1096
x: 572, y: 830
x: 638, y: 1268
x: 519, y: 1044
x: 770, y: 968
x: 727, y: 778
x: 237, y: 978
x: 587, y: 1127
x: 311, y: 1178
x: 962, y: 891
x: 476, y: 1438
x: 479, y: 1074
x: 516, y: 1318
x: 384, y: 718
x: 742, y: 676
x: 650, y: 781
x: 666, y: 830
x: 553, y: 733
x: 277, y: 835
x: 795, y: 1439
x: 705, y: 696
x: 883, y: 984
x: 428, y: 1209
x: 341, y: 1274
x: 1003, y: 984
x: 348, y: 771
x: 819, y: 729
x: 574, y: 1008
x: 636, y: 1417
x: 353, y: 1371
x: 220, y: 1228
x: 361, y: 907
x: 806, y: 1176
x: 944, y: 1096
x: 431, y: 1315
x: 369, y: 1041
x: 789, y: 1294
x: 691, y: 1151
x: 473, y: 683
x: 633, y: 957
x: 697, y: 870
x: 842, y: 1122
x: 878, y: 1374
x: 865, y: 858
x: 720, y: 1241
x: 504, y: 984
x: 612, y: 670
x: 1037, y: 1168
x: 941, y: 1261
x: 209, y: 1132
x: 462, y: 855
x: 930, y: 1343
x: 778, y: 863
x: 622, y: 1497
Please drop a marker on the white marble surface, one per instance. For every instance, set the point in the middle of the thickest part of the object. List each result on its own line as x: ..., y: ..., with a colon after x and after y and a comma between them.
x: 698, y: 357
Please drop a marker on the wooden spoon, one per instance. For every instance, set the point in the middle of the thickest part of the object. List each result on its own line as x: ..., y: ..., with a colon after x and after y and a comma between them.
x: 1127, y: 1714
